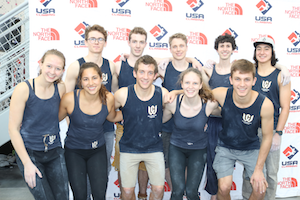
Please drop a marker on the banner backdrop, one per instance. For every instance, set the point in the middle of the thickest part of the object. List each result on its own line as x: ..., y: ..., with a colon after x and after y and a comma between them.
x: 61, y: 24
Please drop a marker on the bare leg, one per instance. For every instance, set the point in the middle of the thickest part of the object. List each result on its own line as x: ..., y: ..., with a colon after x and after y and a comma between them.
x: 143, y: 182
x: 157, y: 192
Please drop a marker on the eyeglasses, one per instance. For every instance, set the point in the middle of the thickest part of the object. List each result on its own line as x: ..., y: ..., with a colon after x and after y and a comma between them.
x: 93, y: 40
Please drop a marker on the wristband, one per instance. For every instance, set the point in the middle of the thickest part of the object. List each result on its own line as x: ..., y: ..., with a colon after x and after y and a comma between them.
x: 279, y: 133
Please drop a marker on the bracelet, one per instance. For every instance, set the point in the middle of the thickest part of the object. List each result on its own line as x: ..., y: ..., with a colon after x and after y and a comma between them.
x: 279, y: 133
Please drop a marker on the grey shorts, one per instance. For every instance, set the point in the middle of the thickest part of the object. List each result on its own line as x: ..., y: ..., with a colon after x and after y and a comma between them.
x: 225, y: 160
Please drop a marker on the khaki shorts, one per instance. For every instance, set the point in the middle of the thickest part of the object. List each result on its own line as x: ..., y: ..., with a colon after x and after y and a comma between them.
x: 116, y: 162
x: 154, y: 162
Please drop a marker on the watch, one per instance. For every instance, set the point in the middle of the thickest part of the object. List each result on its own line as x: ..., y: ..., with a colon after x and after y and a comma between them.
x: 279, y: 133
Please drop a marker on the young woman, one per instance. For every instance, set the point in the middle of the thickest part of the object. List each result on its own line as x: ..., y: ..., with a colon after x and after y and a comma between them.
x: 189, y: 140
x: 85, y: 150
x: 34, y: 129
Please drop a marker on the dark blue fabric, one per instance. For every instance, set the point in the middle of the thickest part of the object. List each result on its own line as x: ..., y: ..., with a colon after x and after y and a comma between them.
x: 40, y: 124
x: 268, y: 86
x: 106, y: 81
x: 142, y: 123
x: 217, y: 80
x: 126, y: 77
x: 188, y: 132
x: 171, y: 83
x: 240, y: 124
x: 85, y: 131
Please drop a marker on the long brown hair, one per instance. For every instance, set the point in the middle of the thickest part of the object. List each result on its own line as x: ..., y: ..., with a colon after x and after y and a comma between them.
x: 57, y: 53
x: 103, y: 91
x: 205, y: 93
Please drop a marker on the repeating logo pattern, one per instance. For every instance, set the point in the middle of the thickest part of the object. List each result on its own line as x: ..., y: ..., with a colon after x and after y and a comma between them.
x: 45, y: 2
x: 231, y: 32
x: 295, y: 96
x: 158, y: 32
x: 195, y: 4
x: 80, y: 29
x: 288, y: 182
x: 231, y: 9
x: 290, y: 152
x: 264, y: 6
x: 121, y: 2
x: 160, y: 5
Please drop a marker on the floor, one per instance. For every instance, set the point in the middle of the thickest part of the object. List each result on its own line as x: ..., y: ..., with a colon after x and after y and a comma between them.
x: 13, y: 187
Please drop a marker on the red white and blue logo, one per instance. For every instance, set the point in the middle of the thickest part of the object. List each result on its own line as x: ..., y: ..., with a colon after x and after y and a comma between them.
x: 80, y: 29
x: 158, y: 32
x: 45, y: 2
x: 294, y: 38
x: 195, y: 4
x: 264, y: 6
x: 121, y: 2
x: 295, y: 96
x: 231, y: 32
x: 290, y: 152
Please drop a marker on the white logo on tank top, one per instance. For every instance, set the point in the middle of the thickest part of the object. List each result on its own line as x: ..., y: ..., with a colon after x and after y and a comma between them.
x: 247, y: 118
x: 95, y: 144
x: 152, y: 110
x: 51, y: 139
x: 265, y: 85
x: 190, y: 143
x: 104, y: 78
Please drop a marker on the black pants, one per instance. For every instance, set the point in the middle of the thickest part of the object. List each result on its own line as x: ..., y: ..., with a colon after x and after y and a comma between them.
x: 93, y: 162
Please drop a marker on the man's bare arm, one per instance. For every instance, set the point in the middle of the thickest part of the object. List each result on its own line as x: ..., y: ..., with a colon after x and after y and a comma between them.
x: 71, y: 77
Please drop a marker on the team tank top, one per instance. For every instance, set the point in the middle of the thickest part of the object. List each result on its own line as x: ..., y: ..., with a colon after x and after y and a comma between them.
x: 40, y: 124
x: 217, y: 80
x: 126, y: 77
x: 142, y: 123
x: 240, y: 124
x: 85, y: 131
x: 171, y: 83
x: 188, y: 132
x: 106, y: 81
x: 268, y: 85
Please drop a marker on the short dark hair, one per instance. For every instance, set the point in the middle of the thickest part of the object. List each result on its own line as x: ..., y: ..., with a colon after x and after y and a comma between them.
x: 225, y: 38
x: 95, y: 27
x: 147, y: 60
x: 274, y: 60
x: 243, y: 66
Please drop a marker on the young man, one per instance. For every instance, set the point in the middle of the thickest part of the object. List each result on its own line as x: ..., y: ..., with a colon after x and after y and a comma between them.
x: 218, y: 76
x: 124, y: 71
x: 269, y: 83
x: 242, y: 112
x: 142, y: 105
x: 95, y: 40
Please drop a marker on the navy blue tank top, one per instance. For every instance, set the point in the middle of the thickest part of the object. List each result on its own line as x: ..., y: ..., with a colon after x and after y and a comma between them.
x: 171, y: 83
x: 268, y: 85
x: 240, y: 124
x: 40, y: 124
x: 126, y: 77
x: 106, y: 80
x: 217, y: 80
x: 188, y: 132
x: 142, y: 123
x: 85, y: 131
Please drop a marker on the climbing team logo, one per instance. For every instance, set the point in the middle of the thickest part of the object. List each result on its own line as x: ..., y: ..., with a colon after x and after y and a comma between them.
x: 121, y: 2
x: 47, y: 34
x: 265, y: 85
x: 264, y: 6
x: 80, y: 30
x: 159, y: 5
x: 195, y: 4
x: 294, y: 38
x: 104, y: 78
x: 117, y: 59
x: 247, y: 118
x: 46, y: 11
x: 197, y: 38
x: 95, y: 144
x: 288, y: 182
x: 231, y: 9
x: 295, y: 96
x: 152, y: 111
x: 84, y: 3
x: 231, y: 32
x: 290, y: 152
x: 158, y: 32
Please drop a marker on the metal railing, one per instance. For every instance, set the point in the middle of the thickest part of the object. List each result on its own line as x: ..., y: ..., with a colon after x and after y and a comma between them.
x: 14, y: 55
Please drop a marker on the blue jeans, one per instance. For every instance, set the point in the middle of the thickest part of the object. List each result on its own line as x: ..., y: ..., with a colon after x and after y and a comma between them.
x: 109, y: 143
x: 194, y: 160
x: 54, y: 183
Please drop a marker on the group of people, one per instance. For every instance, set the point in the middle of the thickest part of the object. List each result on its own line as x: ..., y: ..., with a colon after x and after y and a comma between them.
x: 218, y: 115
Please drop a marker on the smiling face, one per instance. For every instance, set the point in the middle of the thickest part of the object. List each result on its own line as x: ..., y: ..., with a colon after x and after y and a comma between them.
x: 137, y: 44
x: 242, y: 82
x: 225, y: 50
x: 191, y: 84
x: 263, y: 53
x: 52, y: 67
x: 178, y: 48
x: 91, y: 81
x: 145, y: 75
